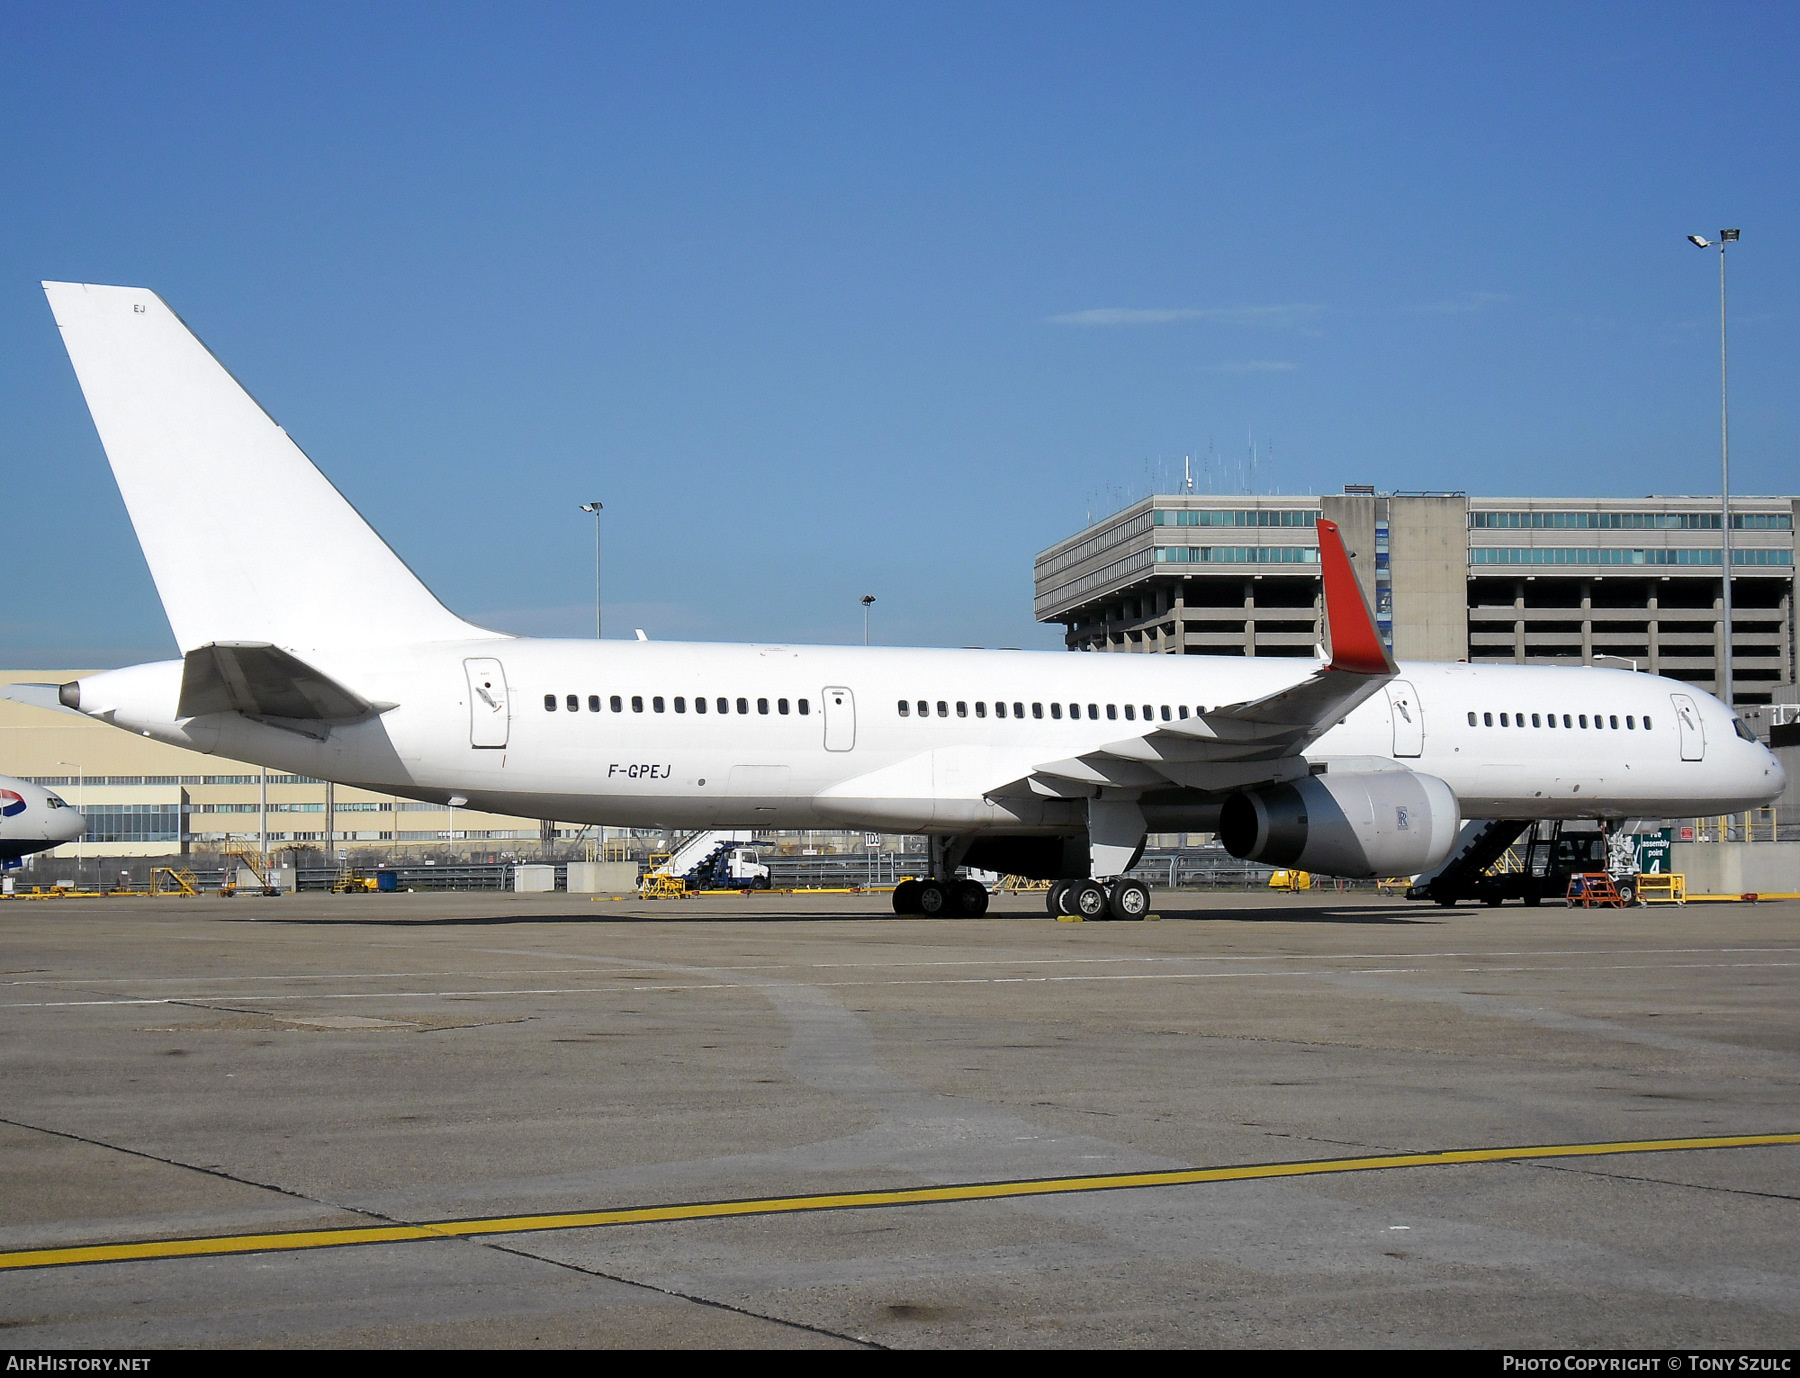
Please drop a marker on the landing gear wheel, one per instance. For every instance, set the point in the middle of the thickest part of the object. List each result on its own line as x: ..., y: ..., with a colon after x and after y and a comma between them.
x: 906, y: 897
x: 1053, y: 898
x: 1086, y: 899
x: 968, y: 899
x: 1129, y: 900
x: 933, y: 898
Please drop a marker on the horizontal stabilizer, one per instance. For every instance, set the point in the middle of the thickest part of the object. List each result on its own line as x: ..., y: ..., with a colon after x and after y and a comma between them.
x: 48, y: 696
x: 263, y: 681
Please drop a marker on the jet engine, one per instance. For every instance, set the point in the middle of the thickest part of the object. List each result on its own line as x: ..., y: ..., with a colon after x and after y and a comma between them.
x: 1374, y: 823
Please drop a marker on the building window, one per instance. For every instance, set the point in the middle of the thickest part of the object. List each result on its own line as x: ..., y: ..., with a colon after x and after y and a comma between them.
x: 549, y: 703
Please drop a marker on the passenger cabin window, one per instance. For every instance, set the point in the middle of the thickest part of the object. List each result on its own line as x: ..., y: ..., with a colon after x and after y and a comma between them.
x: 804, y: 706
x: 1534, y: 721
x: 1019, y: 711
x: 1165, y: 712
x: 1582, y: 720
x: 1130, y: 712
x: 1182, y: 709
x: 1613, y: 721
x: 593, y: 703
x: 980, y: 709
x: 723, y: 705
x: 762, y: 706
x: 905, y: 709
x: 1503, y: 721
x: 618, y: 705
x: 657, y: 703
x: 1646, y: 722
x: 1037, y: 710
x: 1112, y: 710
x: 1055, y: 710
x: 1471, y: 720
x: 637, y: 703
x: 1630, y: 723
x: 680, y: 704
x: 1093, y: 710
x: 549, y: 703
x: 1487, y: 719
x: 743, y: 705
x: 781, y: 707
x: 700, y: 705
x: 1566, y: 722
x: 962, y: 709
x: 999, y: 709
x: 573, y: 703
x: 943, y: 709
x: 924, y: 709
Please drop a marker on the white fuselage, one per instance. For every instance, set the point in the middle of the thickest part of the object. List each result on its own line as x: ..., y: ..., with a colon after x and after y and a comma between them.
x: 34, y: 819
x: 843, y: 753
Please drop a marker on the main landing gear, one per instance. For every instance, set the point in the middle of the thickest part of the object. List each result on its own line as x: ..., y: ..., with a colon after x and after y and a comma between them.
x: 945, y: 899
x: 1088, y: 899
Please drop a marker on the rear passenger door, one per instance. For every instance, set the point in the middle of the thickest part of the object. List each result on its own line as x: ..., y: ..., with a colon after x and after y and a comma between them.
x: 1409, y: 718
x: 488, y: 715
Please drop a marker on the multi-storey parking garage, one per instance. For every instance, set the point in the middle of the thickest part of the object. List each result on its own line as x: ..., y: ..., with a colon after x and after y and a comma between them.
x: 1523, y: 580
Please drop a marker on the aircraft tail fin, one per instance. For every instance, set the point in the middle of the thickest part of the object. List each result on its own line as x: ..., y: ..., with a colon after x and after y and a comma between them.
x: 246, y: 539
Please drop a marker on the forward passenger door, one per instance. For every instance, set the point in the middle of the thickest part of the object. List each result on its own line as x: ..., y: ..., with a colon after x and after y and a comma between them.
x: 1409, y: 718
x: 1693, y: 733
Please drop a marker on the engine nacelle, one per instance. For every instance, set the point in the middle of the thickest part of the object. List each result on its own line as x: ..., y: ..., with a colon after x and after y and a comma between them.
x: 1376, y: 823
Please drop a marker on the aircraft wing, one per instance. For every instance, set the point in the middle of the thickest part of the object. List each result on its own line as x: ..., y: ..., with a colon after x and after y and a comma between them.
x: 264, y: 682
x: 1256, y: 741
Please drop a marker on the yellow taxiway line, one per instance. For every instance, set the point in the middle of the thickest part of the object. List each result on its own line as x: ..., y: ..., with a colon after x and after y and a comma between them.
x: 213, y: 1245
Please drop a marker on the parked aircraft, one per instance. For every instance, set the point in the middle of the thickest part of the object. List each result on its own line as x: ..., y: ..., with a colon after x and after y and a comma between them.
x: 308, y: 646
x: 34, y: 819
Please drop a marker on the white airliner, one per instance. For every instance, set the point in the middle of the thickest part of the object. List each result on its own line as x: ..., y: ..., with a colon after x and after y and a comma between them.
x: 308, y: 646
x: 34, y: 819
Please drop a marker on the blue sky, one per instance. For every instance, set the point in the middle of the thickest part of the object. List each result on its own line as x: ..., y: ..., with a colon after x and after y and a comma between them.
x: 843, y: 299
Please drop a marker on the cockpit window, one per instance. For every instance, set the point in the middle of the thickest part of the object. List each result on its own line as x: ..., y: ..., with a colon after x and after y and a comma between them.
x: 53, y: 801
x: 1737, y: 726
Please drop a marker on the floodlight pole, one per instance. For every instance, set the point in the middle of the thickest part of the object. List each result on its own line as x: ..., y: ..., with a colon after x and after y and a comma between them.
x: 867, y: 600
x: 1725, y: 237
x: 593, y: 510
x: 81, y: 807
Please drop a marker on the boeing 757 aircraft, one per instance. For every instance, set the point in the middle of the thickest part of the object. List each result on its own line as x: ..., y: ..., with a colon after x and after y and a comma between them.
x: 308, y: 646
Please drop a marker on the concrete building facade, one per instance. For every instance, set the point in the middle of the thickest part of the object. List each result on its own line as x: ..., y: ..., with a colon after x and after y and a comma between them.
x: 1551, y: 581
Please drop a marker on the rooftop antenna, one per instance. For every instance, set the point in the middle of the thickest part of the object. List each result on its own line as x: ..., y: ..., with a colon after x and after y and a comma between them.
x: 1187, y: 473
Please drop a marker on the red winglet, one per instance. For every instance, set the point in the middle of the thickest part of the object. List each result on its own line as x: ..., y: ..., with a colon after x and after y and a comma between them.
x: 1355, y: 644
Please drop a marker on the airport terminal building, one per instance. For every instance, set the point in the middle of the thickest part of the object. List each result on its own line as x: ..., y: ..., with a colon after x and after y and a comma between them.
x: 1541, y: 581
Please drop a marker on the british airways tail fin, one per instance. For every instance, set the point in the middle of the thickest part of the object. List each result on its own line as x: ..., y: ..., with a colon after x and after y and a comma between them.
x: 246, y: 539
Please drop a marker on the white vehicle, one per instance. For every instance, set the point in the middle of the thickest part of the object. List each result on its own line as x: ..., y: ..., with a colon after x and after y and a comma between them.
x: 34, y: 819
x: 308, y: 646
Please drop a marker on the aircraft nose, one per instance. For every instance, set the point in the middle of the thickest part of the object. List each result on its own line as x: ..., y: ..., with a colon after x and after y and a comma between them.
x: 1777, y: 774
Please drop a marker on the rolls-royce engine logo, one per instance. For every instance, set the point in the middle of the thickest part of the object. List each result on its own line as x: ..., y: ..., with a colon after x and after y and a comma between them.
x: 11, y: 803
